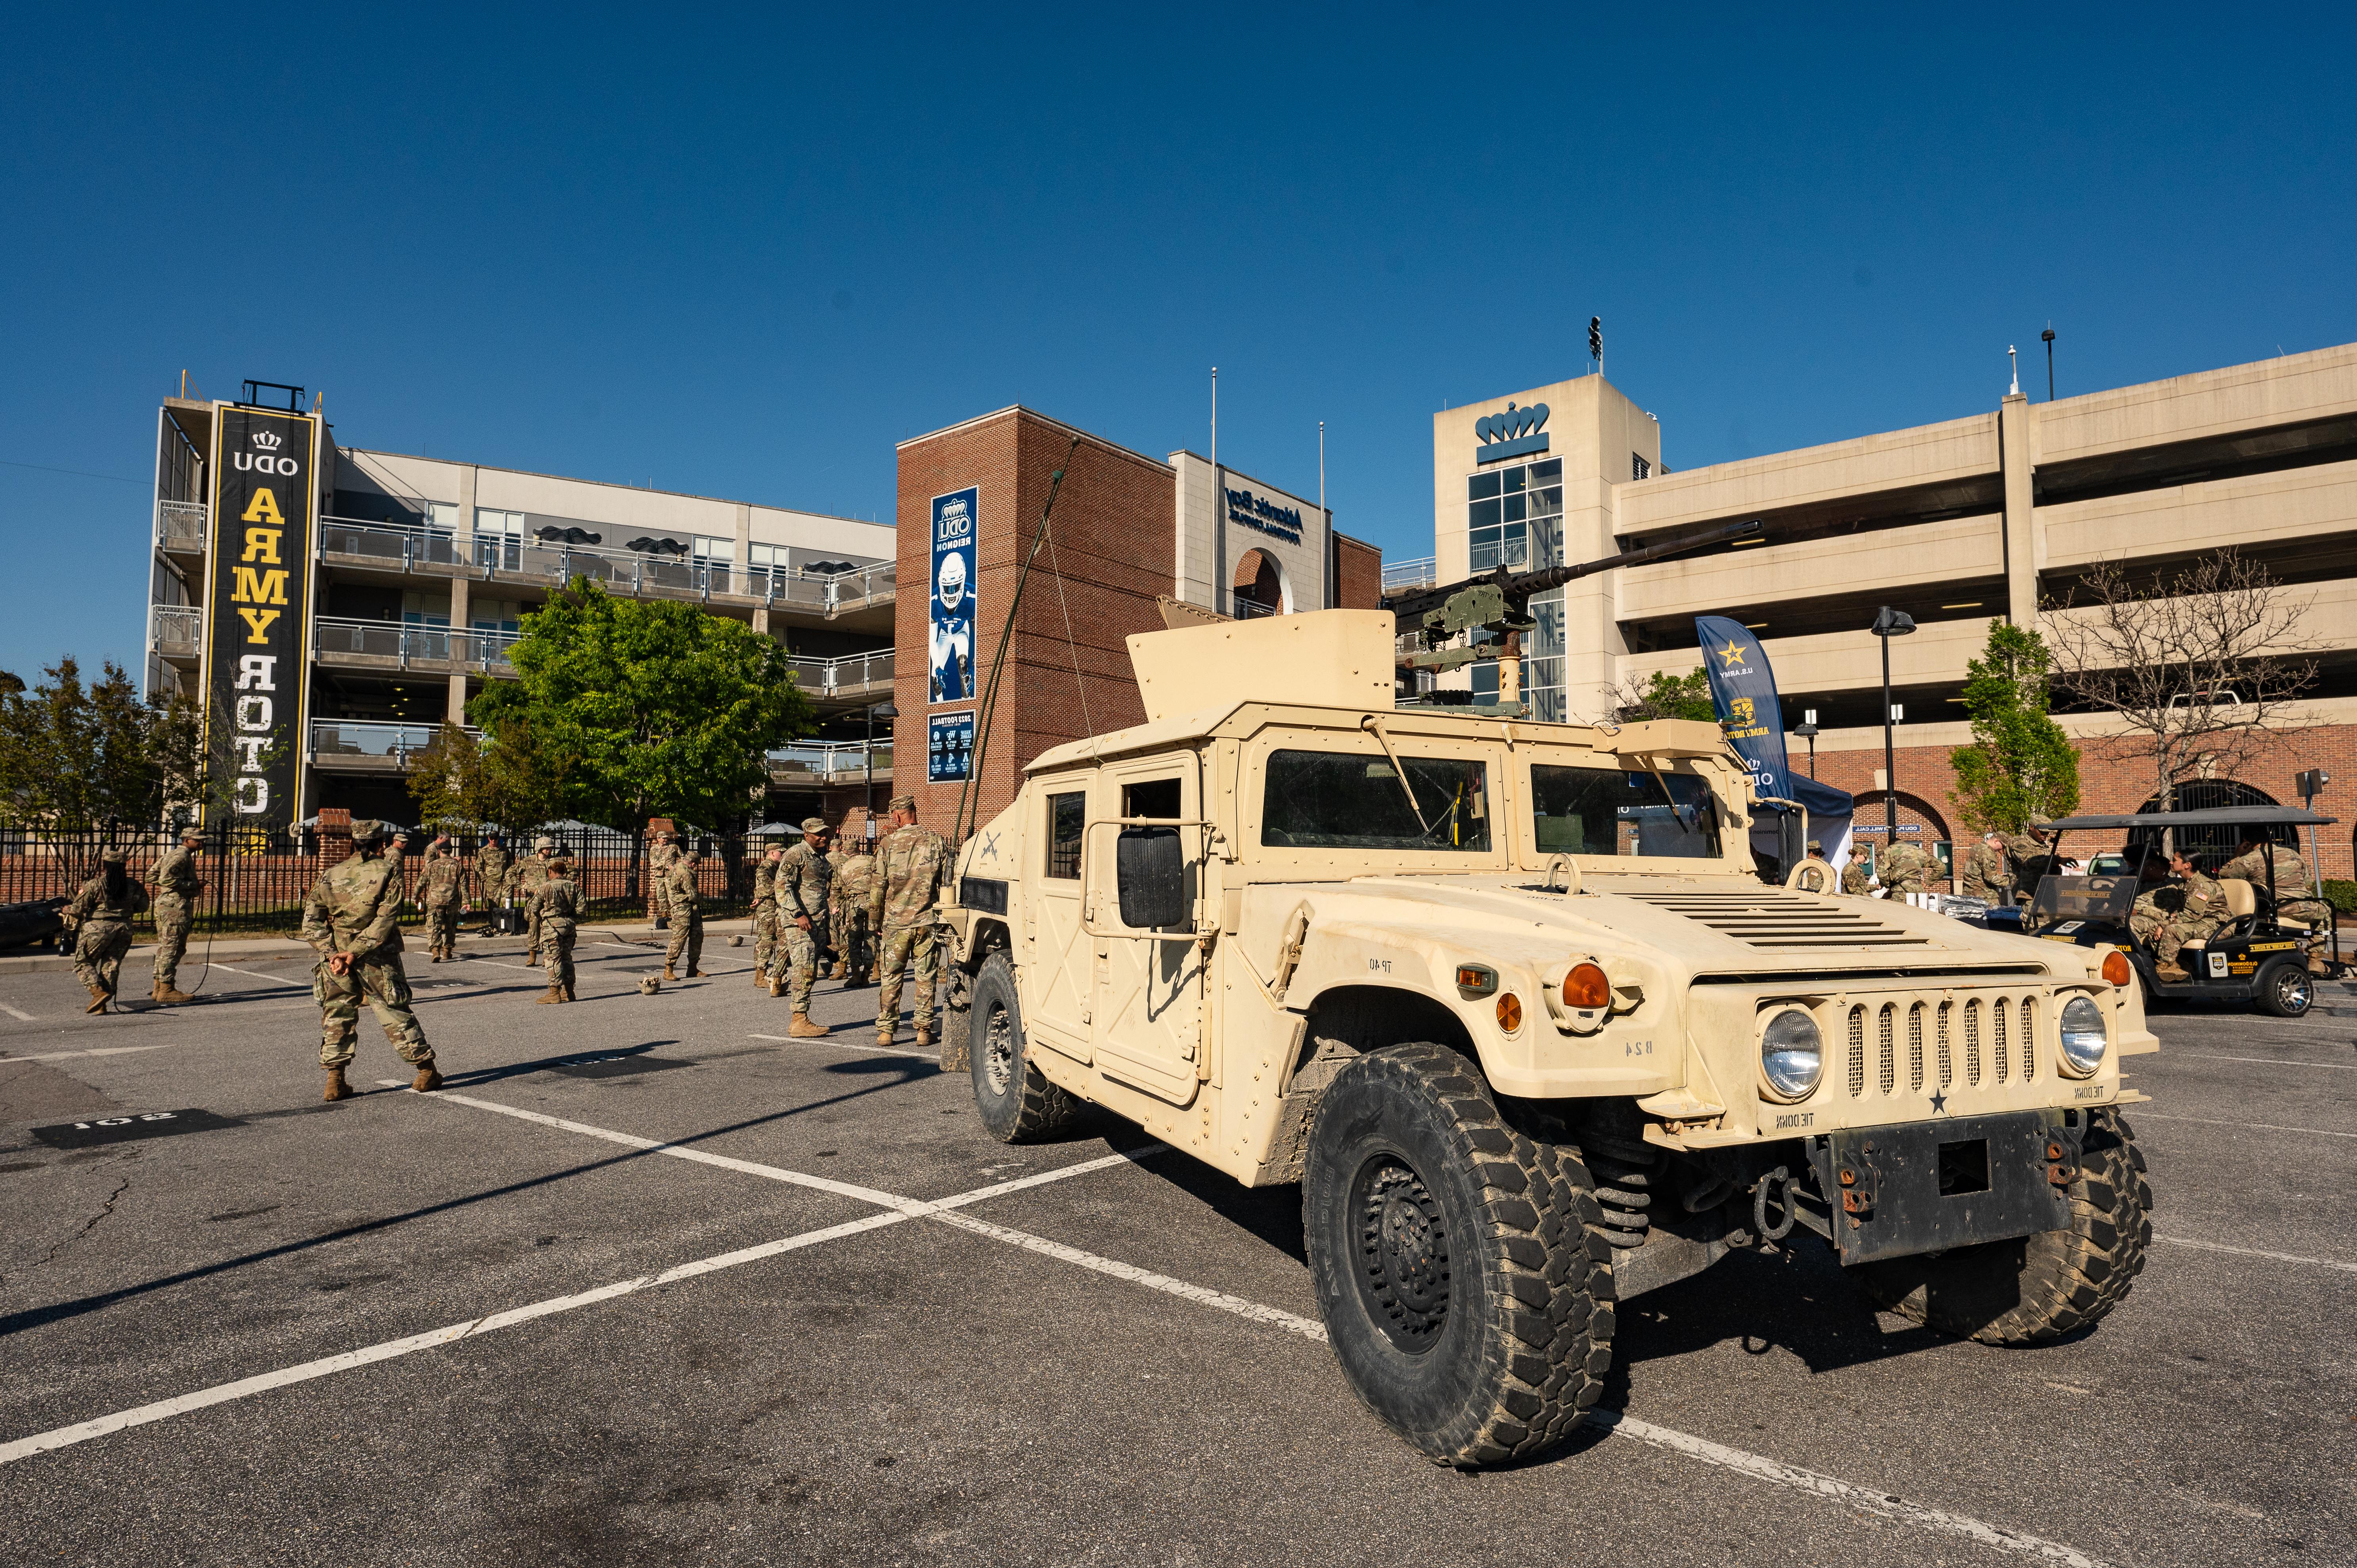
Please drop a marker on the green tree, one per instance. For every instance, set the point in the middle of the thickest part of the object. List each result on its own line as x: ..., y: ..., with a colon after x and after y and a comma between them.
x: 2019, y: 763
x: 624, y: 710
x: 511, y: 782
x: 1665, y: 696
x: 73, y: 754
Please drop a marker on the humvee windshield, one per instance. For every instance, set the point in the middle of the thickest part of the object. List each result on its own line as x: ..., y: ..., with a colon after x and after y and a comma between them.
x: 1596, y: 811
x: 1327, y: 800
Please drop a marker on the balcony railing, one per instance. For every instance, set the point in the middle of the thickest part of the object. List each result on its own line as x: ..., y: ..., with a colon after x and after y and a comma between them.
x: 349, y: 739
x: 853, y: 674
x: 839, y: 762
x: 1400, y: 576
x: 177, y: 628
x: 410, y: 644
x: 181, y: 525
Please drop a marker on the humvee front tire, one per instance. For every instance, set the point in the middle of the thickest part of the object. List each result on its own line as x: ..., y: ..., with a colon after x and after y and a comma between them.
x: 1464, y: 1294
x: 1017, y: 1102
x: 2036, y: 1289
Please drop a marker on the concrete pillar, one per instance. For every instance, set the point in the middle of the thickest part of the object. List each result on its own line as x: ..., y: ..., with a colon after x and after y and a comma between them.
x: 456, y: 711
x: 2018, y: 459
x: 740, y: 575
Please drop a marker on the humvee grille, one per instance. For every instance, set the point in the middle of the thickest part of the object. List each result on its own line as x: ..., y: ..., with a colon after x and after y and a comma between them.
x: 1771, y: 919
x: 1999, y: 1035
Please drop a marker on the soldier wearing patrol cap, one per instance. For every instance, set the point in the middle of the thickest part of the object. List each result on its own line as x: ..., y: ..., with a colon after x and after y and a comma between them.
x: 175, y: 884
x: 684, y: 896
x: 530, y: 875
x: 911, y: 864
x: 99, y: 917
x: 802, y: 886
x: 352, y: 918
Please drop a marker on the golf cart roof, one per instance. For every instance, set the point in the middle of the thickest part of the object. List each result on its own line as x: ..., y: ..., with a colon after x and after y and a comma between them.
x: 2210, y: 817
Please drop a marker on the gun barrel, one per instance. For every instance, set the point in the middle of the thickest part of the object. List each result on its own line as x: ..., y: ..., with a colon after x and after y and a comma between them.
x: 1518, y: 587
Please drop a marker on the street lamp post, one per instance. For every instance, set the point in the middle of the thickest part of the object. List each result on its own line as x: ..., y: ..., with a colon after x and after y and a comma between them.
x: 1890, y: 623
x: 2048, y: 335
x: 883, y: 710
x: 1808, y: 732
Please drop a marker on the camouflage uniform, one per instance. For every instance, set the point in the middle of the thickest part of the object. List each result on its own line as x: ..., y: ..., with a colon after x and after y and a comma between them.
x: 442, y: 891
x: 802, y: 886
x: 355, y: 908
x: 1854, y: 881
x: 2293, y: 902
x: 659, y: 860
x: 1987, y: 875
x: 685, y: 902
x: 529, y: 875
x: 560, y: 917
x: 2174, y: 914
x: 911, y: 865
x: 1905, y: 869
x: 765, y: 918
x: 834, y: 859
x: 175, y: 884
x: 492, y: 863
x: 854, y: 937
x: 102, y: 925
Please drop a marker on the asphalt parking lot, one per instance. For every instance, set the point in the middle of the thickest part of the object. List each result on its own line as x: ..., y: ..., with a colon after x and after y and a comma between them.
x: 650, y: 1284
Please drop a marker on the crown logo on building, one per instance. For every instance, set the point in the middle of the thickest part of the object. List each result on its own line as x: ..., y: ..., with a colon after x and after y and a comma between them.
x: 265, y: 439
x: 1513, y: 425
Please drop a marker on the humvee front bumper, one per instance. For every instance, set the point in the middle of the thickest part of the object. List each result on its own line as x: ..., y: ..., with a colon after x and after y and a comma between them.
x: 1924, y: 1187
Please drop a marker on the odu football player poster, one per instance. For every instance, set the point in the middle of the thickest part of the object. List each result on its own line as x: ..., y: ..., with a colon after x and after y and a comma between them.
x: 951, y: 645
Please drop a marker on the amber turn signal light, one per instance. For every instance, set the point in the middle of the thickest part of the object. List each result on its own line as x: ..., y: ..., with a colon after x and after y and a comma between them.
x: 2115, y: 968
x: 1510, y: 1012
x: 1586, y: 988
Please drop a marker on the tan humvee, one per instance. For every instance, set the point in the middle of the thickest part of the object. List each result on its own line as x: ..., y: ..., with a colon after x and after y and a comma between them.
x: 1527, y: 1026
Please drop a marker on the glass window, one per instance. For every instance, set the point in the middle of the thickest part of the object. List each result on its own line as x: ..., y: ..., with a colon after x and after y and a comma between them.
x: 1483, y: 514
x: 1546, y: 473
x: 1066, y: 815
x: 1480, y: 486
x: 1515, y: 506
x: 441, y: 515
x: 1513, y: 478
x: 1324, y: 800
x: 1599, y: 811
x: 1498, y: 505
x: 1639, y: 467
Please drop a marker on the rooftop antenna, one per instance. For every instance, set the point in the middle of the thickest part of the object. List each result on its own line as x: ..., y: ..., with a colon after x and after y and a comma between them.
x: 2014, y: 360
x: 1215, y: 418
x: 1326, y: 518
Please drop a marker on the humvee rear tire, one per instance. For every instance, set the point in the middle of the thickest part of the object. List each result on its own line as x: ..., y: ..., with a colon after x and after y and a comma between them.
x: 1464, y: 1293
x: 1016, y: 1100
x: 2036, y: 1289
x: 2286, y: 990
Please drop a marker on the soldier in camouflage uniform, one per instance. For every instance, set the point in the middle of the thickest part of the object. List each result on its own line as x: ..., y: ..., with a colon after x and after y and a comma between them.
x: 441, y: 891
x: 530, y: 874
x: 662, y: 855
x: 174, y: 883
x: 1987, y: 871
x: 1855, y: 880
x: 801, y: 884
x: 685, y: 901
x: 2294, y: 898
x: 911, y: 865
x: 2169, y: 916
x: 100, y: 917
x: 765, y: 915
x: 560, y: 915
x: 855, y: 938
x: 491, y: 863
x: 353, y: 919
x: 1906, y: 868
x: 835, y: 855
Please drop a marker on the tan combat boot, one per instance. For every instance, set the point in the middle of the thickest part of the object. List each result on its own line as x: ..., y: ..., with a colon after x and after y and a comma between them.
x: 428, y: 1078
x: 97, y: 1000
x: 776, y: 985
x: 667, y: 974
x: 171, y: 995
x: 884, y: 1033
x: 555, y: 994
x: 924, y: 1036
x: 801, y: 1028
x: 841, y: 969
x: 2171, y: 972
x: 532, y: 959
x: 337, y: 1088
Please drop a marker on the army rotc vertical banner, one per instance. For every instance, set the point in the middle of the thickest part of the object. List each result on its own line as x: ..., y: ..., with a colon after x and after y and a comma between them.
x: 258, y: 613
x: 950, y: 647
x: 1743, y: 689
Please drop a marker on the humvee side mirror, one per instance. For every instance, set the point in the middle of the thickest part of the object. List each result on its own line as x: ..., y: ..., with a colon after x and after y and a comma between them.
x: 1150, y: 870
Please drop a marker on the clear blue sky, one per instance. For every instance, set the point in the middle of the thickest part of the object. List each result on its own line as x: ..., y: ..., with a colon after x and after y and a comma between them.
x: 744, y: 254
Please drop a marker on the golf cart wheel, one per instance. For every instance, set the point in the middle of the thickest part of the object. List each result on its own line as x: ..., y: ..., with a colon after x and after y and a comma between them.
x: 2286, y: 989
x: 2035, y: 1289
x: 1017, y: 1102
x: 1463, y: 1288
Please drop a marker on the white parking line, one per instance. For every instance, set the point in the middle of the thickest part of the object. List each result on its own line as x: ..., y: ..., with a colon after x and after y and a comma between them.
x: 2267, y: 1061
x: 17, y: 1013
x: 2256, y: 1252
x: 257, y: 974
x: 96, y: 1051
x: 846, y: 1045
x: 2253, y: 1126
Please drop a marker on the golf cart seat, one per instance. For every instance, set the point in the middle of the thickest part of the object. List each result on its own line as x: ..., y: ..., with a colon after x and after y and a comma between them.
x: 2241, y: 899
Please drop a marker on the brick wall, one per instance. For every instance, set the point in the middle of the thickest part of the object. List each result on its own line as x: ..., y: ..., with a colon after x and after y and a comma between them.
x: 1358, y: 574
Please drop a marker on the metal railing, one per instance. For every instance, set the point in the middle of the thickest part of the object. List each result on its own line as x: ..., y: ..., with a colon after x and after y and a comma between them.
x: 410, y: 643
x: 177, y: 628
x: 181, y: 525
x: 1421, y: 573
x: 835, y: 762
x: 829, y: 593
x: 850, y: 673
x: 357, y: 738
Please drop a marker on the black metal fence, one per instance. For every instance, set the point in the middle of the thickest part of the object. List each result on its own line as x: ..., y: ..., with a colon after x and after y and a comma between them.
x: 256, y: 879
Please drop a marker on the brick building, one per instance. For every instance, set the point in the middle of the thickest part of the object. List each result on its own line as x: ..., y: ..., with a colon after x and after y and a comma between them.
x: 1128, y: 531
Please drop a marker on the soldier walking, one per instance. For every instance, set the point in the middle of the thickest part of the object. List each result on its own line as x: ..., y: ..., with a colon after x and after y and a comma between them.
x: 530, y: 875
x: 765, y: 915
x: 660, y: 857
x: 491, y: 878
x: 801, y: 884
x: 854, y: 937
x: 441, y: 890
x: 912, y: 863
x: 174, y: 883
x: 101, y: 915
x: 352, y: 918
x: 685, y: 901
x: 560, y: 917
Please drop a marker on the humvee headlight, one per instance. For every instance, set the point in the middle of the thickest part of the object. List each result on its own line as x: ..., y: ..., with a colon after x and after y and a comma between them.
x: 1792, y: 1055
x: 2084, y: 1040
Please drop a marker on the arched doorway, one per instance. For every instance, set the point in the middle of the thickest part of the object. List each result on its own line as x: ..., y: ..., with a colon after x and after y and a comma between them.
x: 1260, y: 587
x: 2210, y: 846
x: 1920, y: 823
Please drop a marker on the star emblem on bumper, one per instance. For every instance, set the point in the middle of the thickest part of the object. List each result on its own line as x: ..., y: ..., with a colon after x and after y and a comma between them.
x: 1939, y: 1101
